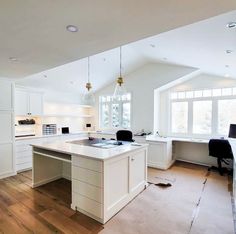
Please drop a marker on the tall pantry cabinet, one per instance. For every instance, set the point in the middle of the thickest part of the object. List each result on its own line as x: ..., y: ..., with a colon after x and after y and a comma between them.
x: 7, y: 139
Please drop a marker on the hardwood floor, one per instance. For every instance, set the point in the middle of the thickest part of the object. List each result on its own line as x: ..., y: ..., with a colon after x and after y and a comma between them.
x: 42, y: 210
x: 196, y: 203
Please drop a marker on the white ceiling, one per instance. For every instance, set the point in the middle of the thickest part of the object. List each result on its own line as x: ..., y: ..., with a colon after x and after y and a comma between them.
x: 34, y: 31
x: 201, y: 45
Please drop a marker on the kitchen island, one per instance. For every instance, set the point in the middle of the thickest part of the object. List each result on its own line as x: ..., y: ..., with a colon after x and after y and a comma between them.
x: 103, y: 180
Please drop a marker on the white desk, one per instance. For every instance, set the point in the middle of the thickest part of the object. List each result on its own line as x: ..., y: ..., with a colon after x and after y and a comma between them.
x: 164, y: 150
x: 103, y: 180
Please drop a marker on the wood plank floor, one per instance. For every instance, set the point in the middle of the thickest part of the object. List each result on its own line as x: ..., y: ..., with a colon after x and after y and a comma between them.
x: 172, y: 210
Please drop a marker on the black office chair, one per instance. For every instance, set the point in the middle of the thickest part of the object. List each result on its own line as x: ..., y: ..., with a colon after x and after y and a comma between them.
x: 220, y: 149
x: 124, y: 135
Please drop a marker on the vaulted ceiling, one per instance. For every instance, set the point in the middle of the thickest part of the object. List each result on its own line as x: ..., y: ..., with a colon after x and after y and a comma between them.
x: 33, y: 33
x: 202, y: 45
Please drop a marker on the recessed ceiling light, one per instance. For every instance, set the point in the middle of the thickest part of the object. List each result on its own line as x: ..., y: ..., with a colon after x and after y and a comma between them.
x: 231, y: 25
x: 229, y: 51
x: 226, y: 75
x: 152, y: 45
x: 13, y: 59
x: 71, y: 28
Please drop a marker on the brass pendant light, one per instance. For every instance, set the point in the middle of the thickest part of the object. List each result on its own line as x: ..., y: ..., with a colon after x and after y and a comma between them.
x: 88, y: 98
x: 119, y: 89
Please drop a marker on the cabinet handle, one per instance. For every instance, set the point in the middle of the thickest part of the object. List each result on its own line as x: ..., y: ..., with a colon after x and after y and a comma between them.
x: 132, y: 159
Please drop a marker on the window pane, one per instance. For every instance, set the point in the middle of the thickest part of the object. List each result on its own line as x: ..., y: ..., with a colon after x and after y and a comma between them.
x: 207, y: 93
x: 216, y: 92
x: 226, y: 115
x: 198, y: 93
x: 104, y: 115
x: 202, y: 113
x: 226, y: 91
x: 115, y: 115
x: 126, y: 115
x: 179, y: 120
x: 181, y: 95
x: 189, y: 94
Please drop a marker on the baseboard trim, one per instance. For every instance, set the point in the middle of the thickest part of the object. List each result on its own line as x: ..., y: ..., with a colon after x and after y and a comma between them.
x: 7, y: 174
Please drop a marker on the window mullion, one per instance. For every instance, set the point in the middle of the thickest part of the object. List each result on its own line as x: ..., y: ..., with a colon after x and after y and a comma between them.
x: 214, y: 120
x: 190, y: 117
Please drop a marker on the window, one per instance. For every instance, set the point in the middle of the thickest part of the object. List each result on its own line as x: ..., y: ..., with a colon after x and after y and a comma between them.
x: 114, y: 114
x: 179, y: 121
x: 202, y: 112
x: 226, y: 115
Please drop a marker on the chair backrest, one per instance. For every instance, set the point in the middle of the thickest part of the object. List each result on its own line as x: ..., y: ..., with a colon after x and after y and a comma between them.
x: 124, y: 135
x: 220, y: 148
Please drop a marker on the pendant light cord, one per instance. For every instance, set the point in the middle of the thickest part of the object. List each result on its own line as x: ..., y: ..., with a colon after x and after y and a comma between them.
x: 88, y: 70
x: 120, y: 61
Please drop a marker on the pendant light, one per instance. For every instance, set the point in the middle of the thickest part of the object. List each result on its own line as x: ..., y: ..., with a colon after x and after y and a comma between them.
x: 88, y: 97
x: 119, y: 89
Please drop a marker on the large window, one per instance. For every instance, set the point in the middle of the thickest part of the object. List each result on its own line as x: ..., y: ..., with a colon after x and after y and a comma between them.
x: 202, y: 112
x: 115, y: 114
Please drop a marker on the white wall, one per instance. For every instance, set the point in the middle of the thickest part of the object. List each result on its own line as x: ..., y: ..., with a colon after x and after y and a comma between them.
x: 142, y: 84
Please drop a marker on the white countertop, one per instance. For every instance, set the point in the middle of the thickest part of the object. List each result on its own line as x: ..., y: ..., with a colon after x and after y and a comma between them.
x: 176, y: 139
x: 88, y: 151
x: 45, y: 136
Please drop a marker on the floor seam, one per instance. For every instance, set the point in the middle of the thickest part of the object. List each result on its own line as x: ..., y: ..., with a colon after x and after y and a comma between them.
x: 196, y: 209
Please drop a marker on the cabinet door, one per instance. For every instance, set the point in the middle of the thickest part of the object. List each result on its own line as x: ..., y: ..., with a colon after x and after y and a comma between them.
x: 156, y: 154
x: 6, y: 97
x: 21, y: 102
x: 137, y: 170
x: 35, y: 103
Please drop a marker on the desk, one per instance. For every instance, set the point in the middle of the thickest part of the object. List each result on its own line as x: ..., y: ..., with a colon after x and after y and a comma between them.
x: 103, y: 180
x: 163, y: 151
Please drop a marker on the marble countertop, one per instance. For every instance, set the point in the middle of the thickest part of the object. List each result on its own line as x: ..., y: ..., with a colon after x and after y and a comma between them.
x: 88, y: 151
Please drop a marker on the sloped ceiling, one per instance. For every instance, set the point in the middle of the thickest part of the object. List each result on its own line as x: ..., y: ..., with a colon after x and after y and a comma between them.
x: 34, y: 31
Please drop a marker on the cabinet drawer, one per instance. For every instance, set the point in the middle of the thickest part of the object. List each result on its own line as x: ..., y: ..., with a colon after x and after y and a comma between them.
x: 87, y: 205
x: 87, y: 190
x: 90, y: 164
x: 22, y: 148
x: 24, y: 154
x: 87, y: 176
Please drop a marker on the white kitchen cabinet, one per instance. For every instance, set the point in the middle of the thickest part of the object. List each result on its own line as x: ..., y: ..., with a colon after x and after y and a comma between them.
x: 101, y: 188
x: 28, y: 103
x: 24, y: 149
x: 137, y: 170
x: 160, y: 154
x: 7, y: 165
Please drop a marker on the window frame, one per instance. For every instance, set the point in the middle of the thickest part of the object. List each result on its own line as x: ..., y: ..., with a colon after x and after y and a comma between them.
x: 214, y: 126
x: 110, y: 127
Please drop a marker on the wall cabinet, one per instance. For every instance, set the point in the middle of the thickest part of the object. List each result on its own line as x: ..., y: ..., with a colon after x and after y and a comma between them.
x: 28, y: 102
